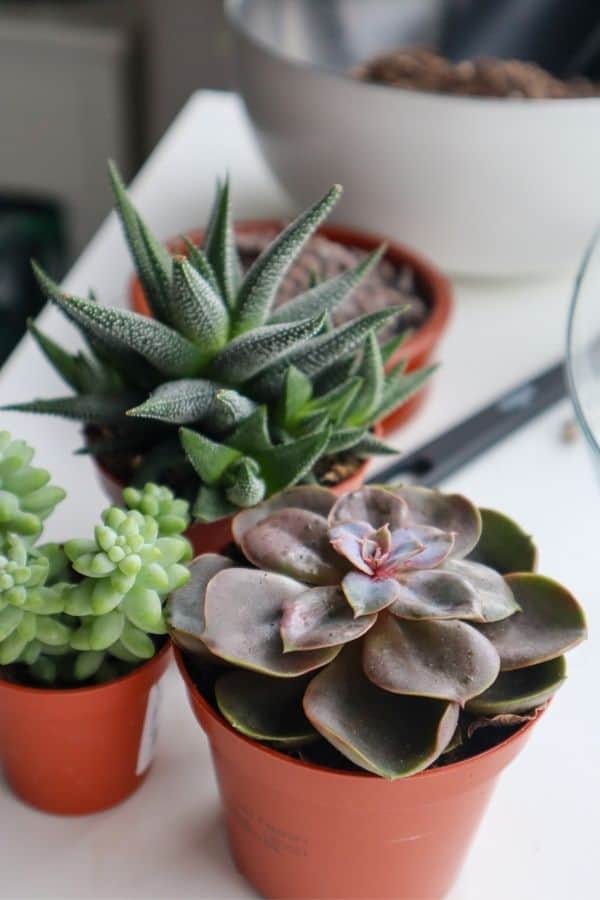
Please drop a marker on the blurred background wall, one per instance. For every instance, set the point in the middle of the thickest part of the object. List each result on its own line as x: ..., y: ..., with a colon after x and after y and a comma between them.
x: 82, y: 81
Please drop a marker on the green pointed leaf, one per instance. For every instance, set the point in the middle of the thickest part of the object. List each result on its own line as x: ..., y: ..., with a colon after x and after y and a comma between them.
x: 337, y: 373
x: 243, y: 485
x: 368, y: 399
x: 252, y: 435
x: 152, y: 260
x: 247, y: 355
x: 209, y: 459
x: 264, y: 708
x: 66, y: 364
x: 260, y: 285
x: 220, y: 247
x: 197, y: 311
x: 521, y: 690
x: 400, y: 388
x: 448, y: 660
x: 211, y: 505
x: 97, y: 409
x: 321, y: 617
x: 550, y: 623
x: 185, y: 606
x: 247, y: 634
x: 344, y: 439
x: 328, y: 294
x: 297, y: 391
x: 178, y: 402
x: 388, y: 734
x: 161, y: 346
x: 389, y: 347
x: 369, y: 446
x: 320, y: 352
x: 199, y: 261
x: 337, y: 401
x: 503, y: 545
x: 230, y: 409
x: 285, y: 464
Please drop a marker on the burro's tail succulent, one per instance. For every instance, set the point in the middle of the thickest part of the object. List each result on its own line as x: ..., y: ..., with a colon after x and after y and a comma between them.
x: 88, y: 609
x: 217, y: 392
x: 390, y: 622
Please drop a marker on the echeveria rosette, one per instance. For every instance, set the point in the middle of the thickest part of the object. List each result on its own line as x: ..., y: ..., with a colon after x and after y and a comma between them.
x: 382, y: 602
x: 217, y: 392
x: 26, y: 495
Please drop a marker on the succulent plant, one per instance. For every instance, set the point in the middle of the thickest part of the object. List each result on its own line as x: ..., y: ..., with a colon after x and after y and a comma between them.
x: 26, y: 496
x: 66, y: 612
x: 376, y: 622
x: 244, y: 384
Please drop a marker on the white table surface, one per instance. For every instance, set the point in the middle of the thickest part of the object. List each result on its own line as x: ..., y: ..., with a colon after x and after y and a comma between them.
x: 539, y: 838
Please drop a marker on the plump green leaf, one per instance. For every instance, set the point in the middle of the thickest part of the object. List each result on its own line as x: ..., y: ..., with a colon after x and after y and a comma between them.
x: 87, y: 664
x: 449, y: 512
x: 137, y: 641
x: 220, y: 247
x: 520, y: 690
x: 449, y: 659
x: 503, y: 545
x: 10, y: 618
x: 143, y: 608
x: 388, y: 734
x: 328, y: 294
x: 550, y: 623
x: 98, y: 409
x: 209, y: 459
x: 197, y: 311
x: 294, y: 542
x: 264, y: 708
x: 152, y: 260
x: 178, y: 402
x: 247, y: 355
x: 315, y: 499
x: 243, y: 610
x: 106, y: 630
x: 260, y: 285
x: 185, y: 606
x: 321, y: 617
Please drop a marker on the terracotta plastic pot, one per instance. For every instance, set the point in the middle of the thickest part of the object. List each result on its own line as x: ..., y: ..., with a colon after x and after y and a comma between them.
x: 299, y: 831
x: 80, y: 750
x: 435, y: 288
x: 215, y: 536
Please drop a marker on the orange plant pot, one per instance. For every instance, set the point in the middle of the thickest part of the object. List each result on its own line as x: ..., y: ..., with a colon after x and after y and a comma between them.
x: 434, y: 287
x: 213, y: 537
x: 299, y: 831
x: 80, y: 750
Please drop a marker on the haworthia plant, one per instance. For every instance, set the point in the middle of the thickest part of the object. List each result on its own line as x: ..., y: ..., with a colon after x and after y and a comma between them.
x: 376, y: 622
x: 90, y: 609
x: 242, y: 384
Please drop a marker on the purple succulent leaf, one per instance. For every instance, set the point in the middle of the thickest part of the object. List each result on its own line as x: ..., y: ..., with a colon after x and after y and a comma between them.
x: 321, y: 617
x: 294, y: 542
x: 549, y: 623
x: 445, y: 659
x: 387, y: 734
x: 496, y: 599
x: 243, y: 611
x: 374, y: 505
x: 313, y: 498
x: 347, y: 540
x: 369, y: 595
x: 437, y: 546
x: 448, y: 512
x: 520, y: 690
x: 185, y: 607
x: 435, y: 594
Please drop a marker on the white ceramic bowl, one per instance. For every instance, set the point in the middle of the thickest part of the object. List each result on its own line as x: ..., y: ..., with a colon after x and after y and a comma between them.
x: 483, y: 186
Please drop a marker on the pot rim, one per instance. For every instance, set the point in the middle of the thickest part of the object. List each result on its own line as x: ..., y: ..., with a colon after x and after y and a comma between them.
x: 352, y: 776
x: 89, y: 689
x: 437, y: 288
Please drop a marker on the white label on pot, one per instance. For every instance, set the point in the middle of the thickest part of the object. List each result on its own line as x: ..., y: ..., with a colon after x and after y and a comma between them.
x: 149, y: 731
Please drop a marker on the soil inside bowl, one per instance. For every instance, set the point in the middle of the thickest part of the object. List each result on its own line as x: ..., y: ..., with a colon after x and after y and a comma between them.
x: 474, y: 735
x: 420, y: 69
x: 389, y: 284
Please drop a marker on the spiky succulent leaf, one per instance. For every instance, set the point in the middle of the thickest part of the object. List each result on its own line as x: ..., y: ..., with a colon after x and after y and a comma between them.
x: 252, y: 435
x: 100, y: 409
x: 369, y: 398
x: 354, y: 715
x: 211, y: 505
x: 209, y: 459
x: 447, y: 660
x: 284, y: 465
x: 243, y: 484
x: 259, y: 287
x: 229, y: 410
x: 390, y: 346
x: 79, y: 372
x: 265, y: 709
x: 178, y: 402
x: 247, y: 355
x: 550, y: 623
x: 369, y: 445
x: 297, y: 391
x: 400, y: 388
x: 152, y: 260
x: 220, y: 247
x: 247, y: 633
x: 335, y: 402
x: 521, y: 690
x: 197, y: 311
x: 328, y: 294
x: 198, y: 259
